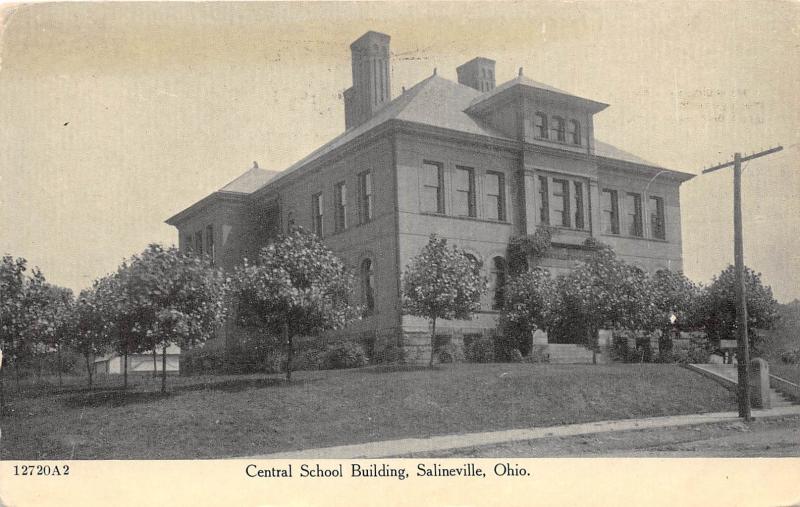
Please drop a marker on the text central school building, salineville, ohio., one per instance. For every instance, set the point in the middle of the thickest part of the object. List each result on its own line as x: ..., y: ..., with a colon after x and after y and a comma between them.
x: 473, y: 162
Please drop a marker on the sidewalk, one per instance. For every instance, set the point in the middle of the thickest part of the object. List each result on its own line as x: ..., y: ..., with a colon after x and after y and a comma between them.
x: 394, y: 448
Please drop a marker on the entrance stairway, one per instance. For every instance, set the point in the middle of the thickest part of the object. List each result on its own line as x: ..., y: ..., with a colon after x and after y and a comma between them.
x: 568, y: 353
x: 730, y: 375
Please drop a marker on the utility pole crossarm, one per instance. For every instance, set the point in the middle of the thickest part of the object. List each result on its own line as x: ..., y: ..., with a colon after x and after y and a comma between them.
x: 744, y: 159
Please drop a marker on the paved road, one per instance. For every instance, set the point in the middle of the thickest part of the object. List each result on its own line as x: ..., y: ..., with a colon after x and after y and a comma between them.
x: 772, y: 437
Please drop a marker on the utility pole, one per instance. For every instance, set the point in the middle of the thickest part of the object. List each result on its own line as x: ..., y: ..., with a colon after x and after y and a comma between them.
x: 742, y: 340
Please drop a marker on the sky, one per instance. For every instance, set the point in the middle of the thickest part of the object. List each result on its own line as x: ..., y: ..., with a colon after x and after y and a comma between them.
x: 114, y: 116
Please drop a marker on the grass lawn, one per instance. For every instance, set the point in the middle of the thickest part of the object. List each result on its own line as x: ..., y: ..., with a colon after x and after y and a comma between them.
x: 790, y: 372
x: 214, y: 417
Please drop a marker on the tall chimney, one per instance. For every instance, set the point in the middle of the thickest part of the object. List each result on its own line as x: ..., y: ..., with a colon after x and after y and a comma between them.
x: 477, y: 73
x: 371, y: 88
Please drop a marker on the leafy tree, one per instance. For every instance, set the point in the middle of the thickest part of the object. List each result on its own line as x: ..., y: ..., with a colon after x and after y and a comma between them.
x: 92, y: 332
x: 55, y: 321
x: 603, y: 293
x: 23, y: 311
x: 528, y: 306
x: 172, y: 298
x: 442, y: 283
x: 296, y: 287
x: 124, y: 317
x: 12, y: 296
x: 676, y: 295
x: 718, y: 306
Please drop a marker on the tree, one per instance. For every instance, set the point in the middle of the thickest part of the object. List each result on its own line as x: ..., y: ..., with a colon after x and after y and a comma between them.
x: 718, y: 306
x: 92, y: 323
x: 173, y: 298
x: 676, y: 295
x: 56, y: 314
x: 123, y: 316
x: 604, y: 292
x: 24, y: 316
x: 296, y: 287
x: 442, y: 283
x: 676, y: 298
x: 12, y: 296
x: 527, y: 306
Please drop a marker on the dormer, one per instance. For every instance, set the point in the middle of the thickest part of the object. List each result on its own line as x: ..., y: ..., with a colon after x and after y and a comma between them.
x: 538, y: 113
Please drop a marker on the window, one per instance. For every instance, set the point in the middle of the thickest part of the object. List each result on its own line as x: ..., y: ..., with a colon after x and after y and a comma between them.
x: 367, y: 287
x: 558, y: 131
x: 198, y: 242
x: 499, y: 276
x: 540, y: 124
x: 495, y: 196
x: 544, y: 201
x: 210, y: 241
x: 340, y: 195
x: 579, y: 219
x: 610, y: 208
x: 464, y: 198
x: 633, y: 207
x: 432, y: 187
x: 657, y: 228
x: 365, y: 197
x: 561, y: 203
x: 575, y: 132
x: 316, y: 214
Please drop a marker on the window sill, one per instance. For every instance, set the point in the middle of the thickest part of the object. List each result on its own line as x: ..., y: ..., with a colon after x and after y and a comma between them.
x: 472, y: 219
x: 553, y: 141
x: 561, y: 228
x: 625, y: 236
x: 349, y: 228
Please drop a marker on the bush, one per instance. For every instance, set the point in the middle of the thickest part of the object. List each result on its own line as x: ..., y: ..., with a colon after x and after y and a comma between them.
x: 515, y: 356
x: 449, y: 353
x: 480, y: 350
x: 344, y: 355
x: 310, y: 359
x: 698, y: 354
x: 791, y: 357
x: 392, y: 354
x: 622, y: 351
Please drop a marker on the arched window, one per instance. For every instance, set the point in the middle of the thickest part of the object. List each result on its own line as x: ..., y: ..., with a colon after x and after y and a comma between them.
x: 575, y: 132
x: 499, y: 279
x: 559, y: 133
x: 368, y: 287
x: 540, y: 124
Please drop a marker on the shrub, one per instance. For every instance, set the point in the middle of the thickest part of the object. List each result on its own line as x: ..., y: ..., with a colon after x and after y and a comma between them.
x: 344, y: 355
x: 391, y: 354
x: 310, y: 359
x: 698, y: 354
x: 791, y: 357
x: 449, y: 353
x: 622, y: 351
x: 275, y: 363
x: 515, y: 356
x: 480, y: 350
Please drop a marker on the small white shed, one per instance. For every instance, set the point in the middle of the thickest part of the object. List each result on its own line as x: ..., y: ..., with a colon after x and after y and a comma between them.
x: 138, y: 363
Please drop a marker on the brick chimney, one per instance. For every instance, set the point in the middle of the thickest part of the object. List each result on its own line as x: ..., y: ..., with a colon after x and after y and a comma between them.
x: 477, y: 73
x: 371, y: 88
